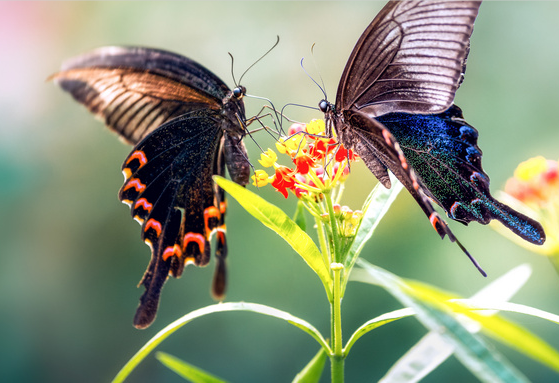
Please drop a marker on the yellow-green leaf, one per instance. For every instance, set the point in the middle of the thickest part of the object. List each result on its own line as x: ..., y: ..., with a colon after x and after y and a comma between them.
x: 274, y: 218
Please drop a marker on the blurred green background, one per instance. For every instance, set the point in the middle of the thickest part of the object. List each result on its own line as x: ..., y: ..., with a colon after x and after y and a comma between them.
x: 70, y: 256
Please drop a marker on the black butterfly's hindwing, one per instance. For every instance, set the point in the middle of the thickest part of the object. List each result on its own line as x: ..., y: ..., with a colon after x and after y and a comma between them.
x: 169, y: 175
x: 186, y: 126
x: 443, y: 151
x: 411, y: 58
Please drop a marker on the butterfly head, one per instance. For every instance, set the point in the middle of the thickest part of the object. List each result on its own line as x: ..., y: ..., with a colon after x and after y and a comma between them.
x: 326, y: 106
x: 239, y: 92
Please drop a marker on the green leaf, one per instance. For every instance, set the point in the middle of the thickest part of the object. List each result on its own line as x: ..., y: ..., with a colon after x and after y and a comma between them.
x: 313, y: 370
x: 299, y: 216
x: 498, y: 328
x: 482, y: 360
x: 432, y: 350
x: 375, y: 207
x: 274, y: 218
x: 186, y: 370
x: 375, y: 323
x: 220, y: 307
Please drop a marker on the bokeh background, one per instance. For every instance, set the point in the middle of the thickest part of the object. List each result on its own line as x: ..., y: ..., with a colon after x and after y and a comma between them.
x: 70, y: 256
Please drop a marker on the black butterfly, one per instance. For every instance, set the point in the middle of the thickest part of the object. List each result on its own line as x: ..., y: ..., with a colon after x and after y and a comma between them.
x: 185, y: 125
x: 394, y: 108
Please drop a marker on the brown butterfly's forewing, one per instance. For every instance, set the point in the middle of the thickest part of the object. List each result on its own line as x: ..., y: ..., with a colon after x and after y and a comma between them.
x: 134, y: 90
x: 410, y: 59
x: 186, y: 126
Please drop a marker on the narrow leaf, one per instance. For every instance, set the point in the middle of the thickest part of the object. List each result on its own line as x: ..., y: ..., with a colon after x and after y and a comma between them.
x: 220, y: 307
x: 483, y: 361
x: 275, y: 219
x: 313, y: 370
x: 498, y: 328
x: 375, y: 323
x: 186, y: 370
x: 432, y: 350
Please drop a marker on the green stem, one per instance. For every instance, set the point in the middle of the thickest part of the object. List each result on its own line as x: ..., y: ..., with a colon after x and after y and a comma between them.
x: 337, y: 357
x: 334, y: 225
x: 322, y: 241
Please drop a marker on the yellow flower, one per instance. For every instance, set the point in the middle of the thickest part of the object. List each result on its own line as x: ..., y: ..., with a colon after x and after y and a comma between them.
x: 260, y: 178
x: 268, y: 158
x: 316, y: 127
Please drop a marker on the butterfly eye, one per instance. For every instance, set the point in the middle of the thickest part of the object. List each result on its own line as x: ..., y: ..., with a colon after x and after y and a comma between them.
x: 324, y: 106
x: 239, y: 92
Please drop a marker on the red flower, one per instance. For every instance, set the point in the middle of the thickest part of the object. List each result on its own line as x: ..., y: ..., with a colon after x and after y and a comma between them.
x: 304, y: 163
x: 284, y: 179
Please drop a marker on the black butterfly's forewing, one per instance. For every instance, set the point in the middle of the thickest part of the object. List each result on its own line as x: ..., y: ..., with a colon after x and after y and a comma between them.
x: 443, y: 151
x: 170, y: 191
x: 135, y: 90
x: 410, y: 59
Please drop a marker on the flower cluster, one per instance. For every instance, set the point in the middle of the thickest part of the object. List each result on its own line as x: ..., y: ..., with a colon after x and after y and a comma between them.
x: 534, y: 190
x: 320, y: 165
x: 320, y: 162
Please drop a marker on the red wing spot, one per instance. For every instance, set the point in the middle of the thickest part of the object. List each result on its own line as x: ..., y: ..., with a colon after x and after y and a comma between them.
x: 136, y: 184
x: 170, y: 251
x: 415, y: 184
x: 138, y: 155
x: 222, y: 207
x: 210, y: 212
x: 194, y: 237
x: 386, y: 134
x: 434, y: 218
x: 153, y: 224
x: 403, y: 161
x: 144, y: 204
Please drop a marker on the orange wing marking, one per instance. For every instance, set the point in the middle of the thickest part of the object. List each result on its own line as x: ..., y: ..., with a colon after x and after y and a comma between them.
x: 144, y: 204
x: 210, y: 212
x: 194, y: 237
x: 138, y: 155
x: 153, y: 224
x: 170, y: 251
x: 136, y: 184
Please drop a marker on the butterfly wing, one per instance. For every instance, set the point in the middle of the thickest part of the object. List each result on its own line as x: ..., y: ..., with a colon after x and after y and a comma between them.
x: 410, y: 59
x: 443, y: 151
x: 134, y: 90
x: 380, y: 150
x: 170, y: 191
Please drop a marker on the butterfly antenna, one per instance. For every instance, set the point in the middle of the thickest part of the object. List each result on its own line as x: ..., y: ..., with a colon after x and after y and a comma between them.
x: 261, y: 57
x: 313, y: 80
x: 232, y: 69
x: 318, y: 71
